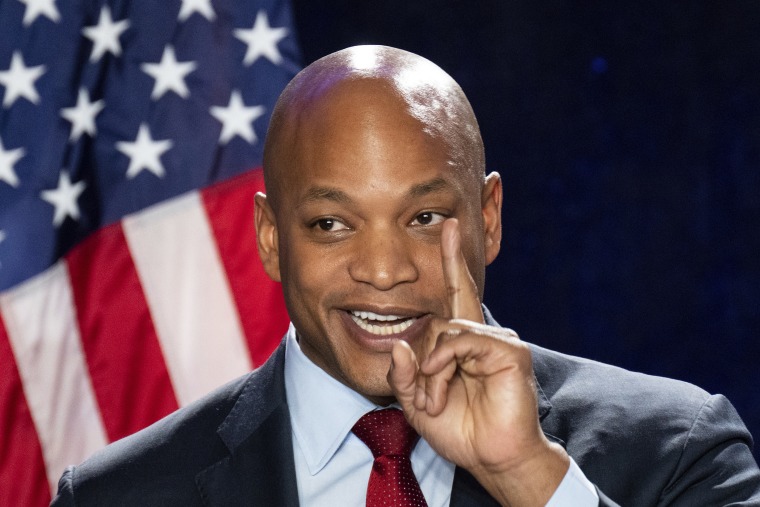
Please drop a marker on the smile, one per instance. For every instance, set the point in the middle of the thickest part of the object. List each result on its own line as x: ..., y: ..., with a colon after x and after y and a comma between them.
x: 382, y: 325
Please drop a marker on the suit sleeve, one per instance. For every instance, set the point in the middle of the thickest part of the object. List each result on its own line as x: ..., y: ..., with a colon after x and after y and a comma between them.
x: 716, y: 466
x: 65, y: 496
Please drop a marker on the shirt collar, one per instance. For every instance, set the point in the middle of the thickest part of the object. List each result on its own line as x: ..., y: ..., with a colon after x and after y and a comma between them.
x: 322, y: 410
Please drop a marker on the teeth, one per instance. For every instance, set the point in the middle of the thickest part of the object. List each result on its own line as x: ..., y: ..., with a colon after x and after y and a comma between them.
x: 362, y: 320
x: 376, y: 316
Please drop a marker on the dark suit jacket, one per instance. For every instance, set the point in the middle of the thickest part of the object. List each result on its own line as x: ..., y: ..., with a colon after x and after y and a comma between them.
x: 641, y: 440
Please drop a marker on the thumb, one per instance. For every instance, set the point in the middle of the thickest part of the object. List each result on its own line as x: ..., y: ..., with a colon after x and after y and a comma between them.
x: 402, y: 375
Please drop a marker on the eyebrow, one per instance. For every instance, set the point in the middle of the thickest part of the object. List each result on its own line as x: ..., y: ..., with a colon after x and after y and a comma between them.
x: 429, y: 187
x: 327, y: 193
x: 340, y: 197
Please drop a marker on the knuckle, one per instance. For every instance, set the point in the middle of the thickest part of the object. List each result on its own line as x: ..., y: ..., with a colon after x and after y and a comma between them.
x: 510, y: 333
x: 448, y: 334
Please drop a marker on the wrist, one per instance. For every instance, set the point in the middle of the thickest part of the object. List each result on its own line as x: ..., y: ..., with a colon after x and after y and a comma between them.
x: 529, y: 482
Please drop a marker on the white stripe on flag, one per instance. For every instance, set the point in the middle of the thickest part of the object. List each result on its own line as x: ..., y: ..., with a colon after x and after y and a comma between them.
x: 41, y: 324
x: 188, y: 295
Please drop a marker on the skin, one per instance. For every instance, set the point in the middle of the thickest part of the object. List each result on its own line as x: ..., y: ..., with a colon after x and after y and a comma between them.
x: 377, y: 203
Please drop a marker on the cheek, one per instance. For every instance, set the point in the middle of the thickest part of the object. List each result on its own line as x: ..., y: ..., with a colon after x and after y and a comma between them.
x: 431, y: 268
x: 310, y: 274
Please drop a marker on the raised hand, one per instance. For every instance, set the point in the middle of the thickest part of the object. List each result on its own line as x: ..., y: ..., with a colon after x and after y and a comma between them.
x: 471, y: 393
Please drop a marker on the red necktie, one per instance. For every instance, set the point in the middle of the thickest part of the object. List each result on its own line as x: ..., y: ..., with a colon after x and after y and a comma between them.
x: 390, y: 438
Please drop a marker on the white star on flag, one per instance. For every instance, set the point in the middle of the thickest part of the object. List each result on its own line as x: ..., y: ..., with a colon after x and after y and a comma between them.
x: 202, y: 7
x: 237, y: 119
x: 169, y: 74
x: 262, y: 40
x: 82, y: 116
x: 105, y: 35
x: 144, y: 153
x: 8, y: 160
x: 64, y: 198
x: 19, y: 81
x: 35, y: 8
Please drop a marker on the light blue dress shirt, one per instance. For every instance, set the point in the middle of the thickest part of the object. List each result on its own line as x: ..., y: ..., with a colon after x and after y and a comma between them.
x: 333, y: 465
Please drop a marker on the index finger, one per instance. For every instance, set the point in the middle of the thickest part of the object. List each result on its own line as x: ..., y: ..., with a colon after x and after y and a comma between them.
x: 464, y: 302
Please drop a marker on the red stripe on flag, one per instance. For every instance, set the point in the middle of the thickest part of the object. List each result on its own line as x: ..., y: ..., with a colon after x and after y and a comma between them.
x: 21, y: 461
x: 125, y: 361
x: 259, y: 300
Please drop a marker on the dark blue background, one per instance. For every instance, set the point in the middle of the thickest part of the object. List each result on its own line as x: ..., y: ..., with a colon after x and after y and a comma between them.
x: 628, y: 136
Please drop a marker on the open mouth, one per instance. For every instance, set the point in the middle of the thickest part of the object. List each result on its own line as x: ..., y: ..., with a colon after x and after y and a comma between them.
x: 382, y: 325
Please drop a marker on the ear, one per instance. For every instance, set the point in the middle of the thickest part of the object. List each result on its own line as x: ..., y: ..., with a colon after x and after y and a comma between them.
x: 491, y: 207
x: 266, y: 237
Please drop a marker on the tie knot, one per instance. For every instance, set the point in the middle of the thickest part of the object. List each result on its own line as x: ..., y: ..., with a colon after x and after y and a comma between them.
x: 386, y: 433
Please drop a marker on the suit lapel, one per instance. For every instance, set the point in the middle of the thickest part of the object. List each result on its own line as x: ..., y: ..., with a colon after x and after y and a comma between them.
x: 467, y: 492
x: 260, y: 467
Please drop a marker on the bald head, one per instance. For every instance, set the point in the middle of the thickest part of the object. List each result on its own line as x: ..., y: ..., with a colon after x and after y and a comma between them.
x: 365, y: 84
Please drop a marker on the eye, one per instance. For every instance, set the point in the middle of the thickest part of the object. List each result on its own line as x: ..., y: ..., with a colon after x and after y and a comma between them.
x: 330, y: 225
x: 428, y: 218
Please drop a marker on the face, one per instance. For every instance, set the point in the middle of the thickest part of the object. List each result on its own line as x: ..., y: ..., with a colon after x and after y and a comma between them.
x: 355, y: 237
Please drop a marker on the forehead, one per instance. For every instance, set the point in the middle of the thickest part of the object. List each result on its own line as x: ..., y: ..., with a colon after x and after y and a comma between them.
x: 367, y: 134
x: 363, y: 106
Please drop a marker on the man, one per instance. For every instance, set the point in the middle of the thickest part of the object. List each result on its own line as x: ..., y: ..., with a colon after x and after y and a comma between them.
x: 379, y: 222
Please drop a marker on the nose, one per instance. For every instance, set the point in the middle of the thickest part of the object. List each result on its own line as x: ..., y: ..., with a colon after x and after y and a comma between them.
x: 384, y: 259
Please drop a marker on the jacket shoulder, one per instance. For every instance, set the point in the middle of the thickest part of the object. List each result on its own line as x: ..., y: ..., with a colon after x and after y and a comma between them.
x: 583, y: 386
x: 644, y: 439
x: 158, y: 465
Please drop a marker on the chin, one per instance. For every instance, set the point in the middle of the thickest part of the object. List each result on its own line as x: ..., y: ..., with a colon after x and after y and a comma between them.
x: 375, y: 387
x: 381, y: 400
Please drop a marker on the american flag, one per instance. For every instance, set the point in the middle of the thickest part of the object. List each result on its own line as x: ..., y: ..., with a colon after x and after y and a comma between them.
x: 130, y: 141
